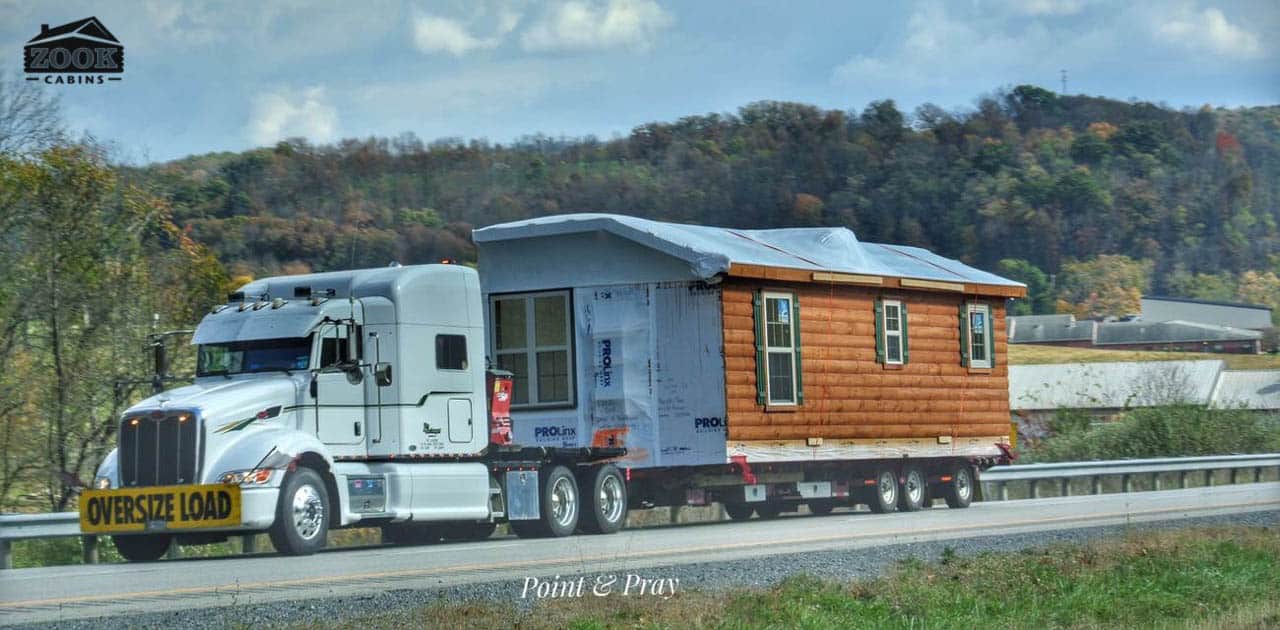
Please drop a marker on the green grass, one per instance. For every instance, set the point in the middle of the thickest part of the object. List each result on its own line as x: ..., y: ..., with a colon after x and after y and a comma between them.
x: 1028, y: 354
x: 1224, y: 577
x: 1168, y: 431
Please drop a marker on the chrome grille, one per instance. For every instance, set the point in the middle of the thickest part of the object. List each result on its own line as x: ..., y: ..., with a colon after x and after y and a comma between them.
x: 160, y: 449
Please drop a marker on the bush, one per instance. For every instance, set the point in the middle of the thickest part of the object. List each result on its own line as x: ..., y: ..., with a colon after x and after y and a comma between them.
x: 1169, y: 431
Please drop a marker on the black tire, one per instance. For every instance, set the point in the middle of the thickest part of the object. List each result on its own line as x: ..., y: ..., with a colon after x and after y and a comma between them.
x: 559, y: 505
x: 884, y: 494
x: 959, y: 491
x: 468, y: 531
x: 605, y: 507
x: 821, y: 507
x: 768, y: 509
x: 143, y: 548
x: 914, y: 489
x: 739, y: 511
x: 408, y: 534
x: 302, y: 514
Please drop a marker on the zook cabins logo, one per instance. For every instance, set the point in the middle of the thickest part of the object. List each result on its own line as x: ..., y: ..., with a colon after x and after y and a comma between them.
x: 79, y: 52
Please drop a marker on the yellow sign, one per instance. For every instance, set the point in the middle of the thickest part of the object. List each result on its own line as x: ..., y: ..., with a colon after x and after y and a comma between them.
x: 159, y: 508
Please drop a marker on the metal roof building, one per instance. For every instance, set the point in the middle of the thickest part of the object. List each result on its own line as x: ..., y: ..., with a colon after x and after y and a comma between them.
x: 1050, y: 329
x: 1234, y: 314
x: 1145, y: 332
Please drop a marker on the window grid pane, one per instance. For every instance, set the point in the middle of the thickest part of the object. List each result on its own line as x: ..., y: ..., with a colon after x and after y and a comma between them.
x: 781, y: 379
x: 893, y: 349
x: 891, y: 317
x: 518, y: 364
x: 509, y: 316
x: 778, y: 322
x: 550, y: 316
x: 553, y: 376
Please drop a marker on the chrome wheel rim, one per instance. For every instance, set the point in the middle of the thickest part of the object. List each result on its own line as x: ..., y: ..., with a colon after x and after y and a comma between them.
x: 963, y: 488
x: 564, y: 502
x: 888, y: 487
x: 308, y: 512
x: 915, y: 488
x: 611, y: 503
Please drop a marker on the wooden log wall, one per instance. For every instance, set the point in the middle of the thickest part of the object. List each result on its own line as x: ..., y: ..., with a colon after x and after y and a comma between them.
x: 847, y: 395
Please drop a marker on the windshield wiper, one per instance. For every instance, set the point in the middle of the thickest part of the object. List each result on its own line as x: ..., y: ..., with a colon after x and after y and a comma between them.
x: 222, y: 373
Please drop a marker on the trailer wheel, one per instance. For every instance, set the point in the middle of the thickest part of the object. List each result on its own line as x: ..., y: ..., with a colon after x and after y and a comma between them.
x: 468, y: 531
x: 411, y: 533
x: 137, y: 548
x: 959, y: 491
x: 769, y: 509
x: 302, y: 514
x: 914, y: 489
x: 821, y: 507
x: 884, y: 495
x: 606, y: 505
x: 739, y: 511
x: 559, y: 507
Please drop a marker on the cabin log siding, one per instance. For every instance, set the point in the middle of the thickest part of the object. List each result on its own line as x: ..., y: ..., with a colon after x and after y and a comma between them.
x: 847, y: 394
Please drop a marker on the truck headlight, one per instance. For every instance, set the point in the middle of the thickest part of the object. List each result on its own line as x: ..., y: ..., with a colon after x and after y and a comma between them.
x: 254, y: 477
x: 102, y: 483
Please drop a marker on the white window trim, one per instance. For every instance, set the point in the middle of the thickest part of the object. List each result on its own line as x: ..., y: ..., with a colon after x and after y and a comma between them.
x: 765, y: 296
x: 885, y: 333
x: 530, y: 349
x: 988, y: 342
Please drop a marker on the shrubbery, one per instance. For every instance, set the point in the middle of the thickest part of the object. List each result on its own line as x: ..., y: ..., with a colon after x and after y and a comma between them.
x: 1169, y: 431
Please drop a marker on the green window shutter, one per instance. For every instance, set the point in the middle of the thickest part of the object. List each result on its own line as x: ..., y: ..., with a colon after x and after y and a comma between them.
x: 964, y: 334
x: 795, y: 338
x: 902, y: 323
x: 757, y: 303
x: 879, y: 331
x: 991, y: 336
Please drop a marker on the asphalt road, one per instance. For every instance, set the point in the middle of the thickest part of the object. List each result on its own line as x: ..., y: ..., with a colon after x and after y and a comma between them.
x: 77, y: 592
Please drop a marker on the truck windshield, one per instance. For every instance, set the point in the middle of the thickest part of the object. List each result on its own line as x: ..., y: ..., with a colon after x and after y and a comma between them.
x: 264, y: 355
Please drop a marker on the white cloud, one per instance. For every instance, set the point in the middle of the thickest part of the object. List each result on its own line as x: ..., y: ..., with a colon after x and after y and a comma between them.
x: 583, y: 25
x: 1047, y: 7
x: 433, y: 34
x: 1209, y: 30
x: 277, y: 116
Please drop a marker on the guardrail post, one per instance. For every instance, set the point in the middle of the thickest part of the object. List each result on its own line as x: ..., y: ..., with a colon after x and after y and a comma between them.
x: 1095, y: 484
x: 1235, y: 476
x: 89, y: 549
x: 1035, y: 488
x: 1208, y: 477
x: 248, y: 544
x: 1066, y: 487
x: 1155, y: 481
x: 1257, y: 474
x: 1002, y: 489
x: 1126, y: 483
x: 174, y: 553
x: 6, y: 555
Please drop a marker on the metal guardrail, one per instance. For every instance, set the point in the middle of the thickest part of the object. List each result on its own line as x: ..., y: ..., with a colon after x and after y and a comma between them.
x: 65, y: 524
x: 1127, y: 470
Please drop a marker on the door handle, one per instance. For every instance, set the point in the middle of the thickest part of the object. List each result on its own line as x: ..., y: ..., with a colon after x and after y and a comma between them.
x: 356, y: 428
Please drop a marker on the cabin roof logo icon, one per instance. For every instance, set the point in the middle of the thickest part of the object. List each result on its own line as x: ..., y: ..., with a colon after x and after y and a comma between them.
x: 81, y: 46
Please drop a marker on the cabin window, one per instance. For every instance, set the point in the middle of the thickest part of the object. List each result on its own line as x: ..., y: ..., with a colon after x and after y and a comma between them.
x: 451, y: 352
x: 977, y: 337
x: 778, y: 349
x: 891, y: 332
x: 531, y: 340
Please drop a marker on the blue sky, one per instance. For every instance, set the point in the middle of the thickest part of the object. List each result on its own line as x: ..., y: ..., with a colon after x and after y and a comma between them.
x: 213, y: 76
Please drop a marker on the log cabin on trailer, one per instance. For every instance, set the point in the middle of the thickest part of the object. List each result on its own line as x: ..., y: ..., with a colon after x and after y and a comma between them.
x: 701, y: 346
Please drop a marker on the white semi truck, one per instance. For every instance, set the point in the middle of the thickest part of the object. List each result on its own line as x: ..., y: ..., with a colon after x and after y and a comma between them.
x: 647, y: 364
x: 337, y: 400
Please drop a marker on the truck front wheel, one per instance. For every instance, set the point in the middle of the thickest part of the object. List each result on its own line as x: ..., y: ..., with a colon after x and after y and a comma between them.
x: 606, y: 505
x: 302, y: 514
x: 142, y: 548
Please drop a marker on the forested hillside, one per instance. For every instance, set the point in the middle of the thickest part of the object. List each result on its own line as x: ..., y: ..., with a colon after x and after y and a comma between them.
x: 1028, y: 175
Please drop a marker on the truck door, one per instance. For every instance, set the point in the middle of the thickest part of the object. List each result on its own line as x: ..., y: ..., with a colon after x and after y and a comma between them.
x: 339, y: 388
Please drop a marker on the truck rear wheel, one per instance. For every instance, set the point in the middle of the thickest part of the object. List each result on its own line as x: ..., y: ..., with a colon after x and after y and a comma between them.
x: 884, y: 494
x: 769, y: 509
x: 914, y: 489
x: 558, y: 507
x: 302, y: 514
x: 606, y: 503
x: 142, y: 548
x: 959, y: 491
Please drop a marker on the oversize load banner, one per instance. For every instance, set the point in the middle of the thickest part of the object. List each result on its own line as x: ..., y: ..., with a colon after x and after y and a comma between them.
x: 159, y: 508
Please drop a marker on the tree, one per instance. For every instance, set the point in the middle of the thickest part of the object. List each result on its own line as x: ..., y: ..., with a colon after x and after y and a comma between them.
x: 30, y: 117
x: 1106, y: 285
x: 1039, y: 300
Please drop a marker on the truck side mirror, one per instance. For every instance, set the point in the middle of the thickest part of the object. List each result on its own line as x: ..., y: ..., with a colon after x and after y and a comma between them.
x: 382, y: 374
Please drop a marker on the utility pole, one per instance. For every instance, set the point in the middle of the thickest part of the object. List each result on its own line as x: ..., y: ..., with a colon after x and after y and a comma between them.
x: 1064, y: 80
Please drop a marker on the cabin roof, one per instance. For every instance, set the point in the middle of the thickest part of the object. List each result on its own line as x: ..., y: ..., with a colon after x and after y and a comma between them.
x: 711, y: 251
